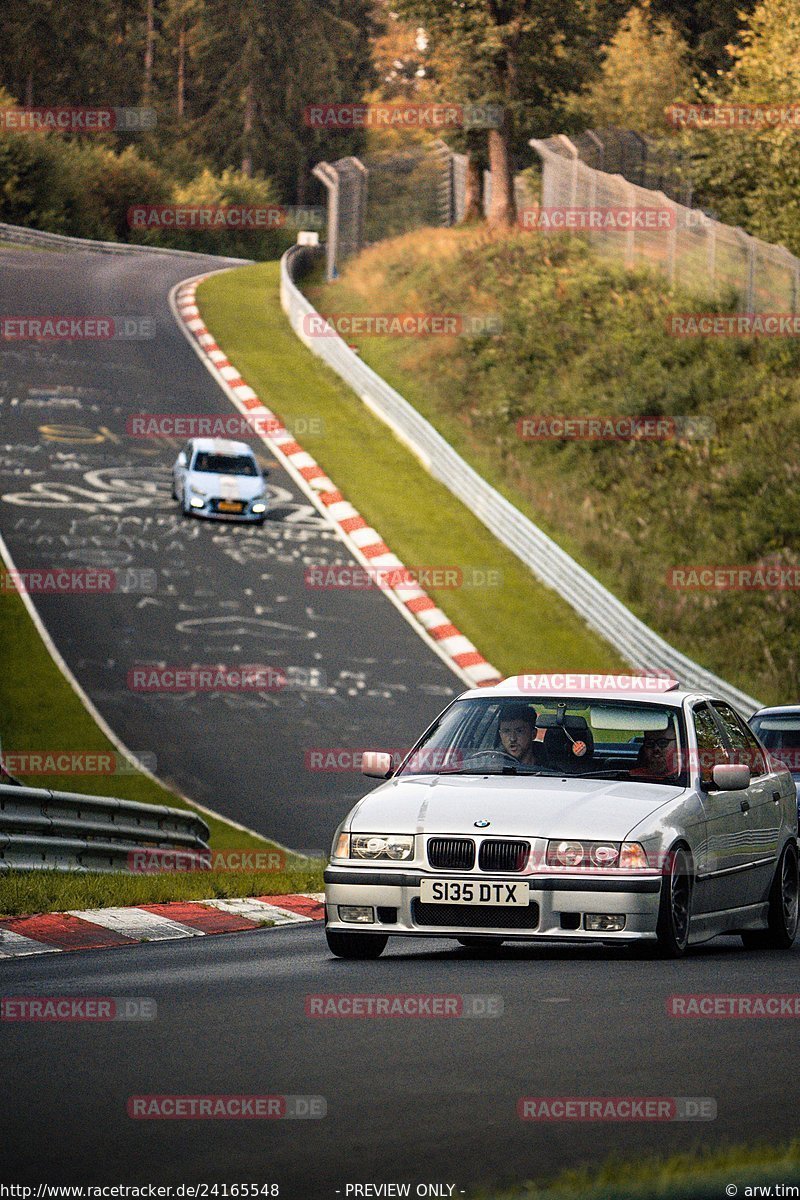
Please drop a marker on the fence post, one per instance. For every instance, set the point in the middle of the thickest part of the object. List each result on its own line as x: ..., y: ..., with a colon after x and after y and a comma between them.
x: 347, y: 175
x: 573, y: 151
x: 711, y: 252
x: 752, y: 258
x: 630, y: 236
x: 592, y: 202
x: 329, y: 177
x: 672, y: 244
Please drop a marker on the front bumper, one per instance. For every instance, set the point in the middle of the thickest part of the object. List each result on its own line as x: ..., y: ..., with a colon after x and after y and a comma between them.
x: 560, y: 905
x: 210, y: 513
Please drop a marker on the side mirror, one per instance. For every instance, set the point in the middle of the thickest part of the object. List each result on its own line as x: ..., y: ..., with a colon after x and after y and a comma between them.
x: 731, y: 777
x: 376, y: 763
x: 182, y: 459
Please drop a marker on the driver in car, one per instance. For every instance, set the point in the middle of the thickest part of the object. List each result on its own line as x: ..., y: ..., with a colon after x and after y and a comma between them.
x: 518, y: 734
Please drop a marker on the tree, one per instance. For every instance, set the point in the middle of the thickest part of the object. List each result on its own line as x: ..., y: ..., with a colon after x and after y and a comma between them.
x: 258, y: 65
x: 708, y: 26
x: 750, y: 174
x: 521, y: 55
x: 644, y: 69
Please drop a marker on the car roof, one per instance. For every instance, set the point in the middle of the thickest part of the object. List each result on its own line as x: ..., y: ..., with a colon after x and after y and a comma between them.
x: 633, y: 689
x: 221, y: 446
x: 778, y: 709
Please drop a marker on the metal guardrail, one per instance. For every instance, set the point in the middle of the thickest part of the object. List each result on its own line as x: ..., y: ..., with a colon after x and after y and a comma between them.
x: 600, y: 609
x: 41, y: 237
x: 65, y: 831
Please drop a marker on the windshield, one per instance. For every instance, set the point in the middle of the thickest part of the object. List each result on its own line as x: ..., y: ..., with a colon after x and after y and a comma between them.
x: 781, y: 736
x: 606, y: 739
x: 225, y: 464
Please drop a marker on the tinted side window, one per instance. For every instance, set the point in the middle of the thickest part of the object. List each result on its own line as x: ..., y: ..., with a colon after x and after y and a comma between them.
x: 742, y: 739
x: 710, y: 745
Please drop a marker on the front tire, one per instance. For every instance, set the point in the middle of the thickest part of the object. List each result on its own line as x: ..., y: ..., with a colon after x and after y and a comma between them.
x: 675, y: 906
x: 355, y: 945
x: 783, y: 907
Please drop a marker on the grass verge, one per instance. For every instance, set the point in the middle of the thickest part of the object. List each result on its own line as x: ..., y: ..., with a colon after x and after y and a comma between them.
x: 23, y: 892
x: 585, y: 337
x: 40, y: 710
x: 519, y: 625
x: 700, y: 1175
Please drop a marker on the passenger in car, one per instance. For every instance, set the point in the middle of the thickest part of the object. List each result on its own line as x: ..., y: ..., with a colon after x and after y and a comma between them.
x: 658, y: 757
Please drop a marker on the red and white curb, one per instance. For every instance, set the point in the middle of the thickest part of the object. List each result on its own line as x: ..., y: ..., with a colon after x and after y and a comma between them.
x: 362, y: 540
x: 101, y: 928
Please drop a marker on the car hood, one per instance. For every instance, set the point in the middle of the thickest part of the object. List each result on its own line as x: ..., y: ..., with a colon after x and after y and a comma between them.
x: 226, y: 487
x: 551, y: 807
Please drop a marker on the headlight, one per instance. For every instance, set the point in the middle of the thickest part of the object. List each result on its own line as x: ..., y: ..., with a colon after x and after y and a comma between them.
x: 196, y: 491
x: 394, y: 846
x: 565, y: 854
x: 596, y: 855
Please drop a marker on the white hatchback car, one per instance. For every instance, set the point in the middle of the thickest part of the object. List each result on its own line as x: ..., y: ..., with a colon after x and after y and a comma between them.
x: 604, y: 813
x: 220, y: 479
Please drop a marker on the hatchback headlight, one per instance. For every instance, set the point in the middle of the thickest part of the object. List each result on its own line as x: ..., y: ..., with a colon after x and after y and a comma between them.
x: 394, y: 846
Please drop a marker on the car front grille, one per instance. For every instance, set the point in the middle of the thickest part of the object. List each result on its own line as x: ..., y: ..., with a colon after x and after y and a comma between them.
x: 451, y: 854
x: 503, y: 856
x: 474, y: 916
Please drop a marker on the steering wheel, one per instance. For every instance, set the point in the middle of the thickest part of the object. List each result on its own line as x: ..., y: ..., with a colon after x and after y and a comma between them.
x: 502, y: 754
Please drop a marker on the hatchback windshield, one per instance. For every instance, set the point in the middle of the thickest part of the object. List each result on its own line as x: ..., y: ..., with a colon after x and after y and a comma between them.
x: 606, y: 739
x: 780, y: 733
x: 225, y: 464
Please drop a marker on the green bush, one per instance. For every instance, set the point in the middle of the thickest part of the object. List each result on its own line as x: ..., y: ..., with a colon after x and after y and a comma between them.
x: 230, y: 189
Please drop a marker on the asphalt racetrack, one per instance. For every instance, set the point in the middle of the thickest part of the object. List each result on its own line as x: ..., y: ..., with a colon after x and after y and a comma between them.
x: 76, y: 490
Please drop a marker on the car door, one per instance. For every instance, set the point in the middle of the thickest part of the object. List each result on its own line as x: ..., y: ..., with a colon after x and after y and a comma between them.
x: 765, y: 812
x: 717, y: 867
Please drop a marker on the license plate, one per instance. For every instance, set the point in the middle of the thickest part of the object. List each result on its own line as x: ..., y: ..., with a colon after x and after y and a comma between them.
x: 458, y: 891
x: 229, y: 506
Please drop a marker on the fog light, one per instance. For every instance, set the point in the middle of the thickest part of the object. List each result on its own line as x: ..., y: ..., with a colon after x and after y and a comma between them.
x: 356, y: 914
x: 196, y: 502
x: 603, y: 922
x: 259, y: 508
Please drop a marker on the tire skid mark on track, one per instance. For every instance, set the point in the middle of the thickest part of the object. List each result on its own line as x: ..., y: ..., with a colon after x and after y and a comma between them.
x: 362, y: 540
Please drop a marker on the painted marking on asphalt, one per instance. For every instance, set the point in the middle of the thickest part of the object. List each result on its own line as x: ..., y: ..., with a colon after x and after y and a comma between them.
x: 102, y: 928
x: 66, y: 931
x: 306, y: 904
x: 200, y: 915
x: 13, y: 945
x: 137, y: 923
x: 258, y: 910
